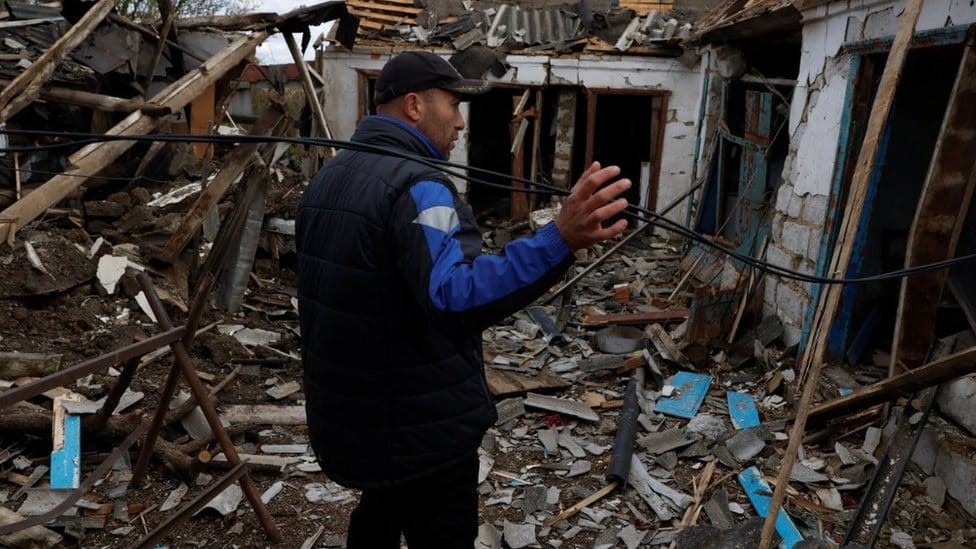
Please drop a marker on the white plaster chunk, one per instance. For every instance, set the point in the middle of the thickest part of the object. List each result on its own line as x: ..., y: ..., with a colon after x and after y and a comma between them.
x: 110, y: 271
x: 226, y: 502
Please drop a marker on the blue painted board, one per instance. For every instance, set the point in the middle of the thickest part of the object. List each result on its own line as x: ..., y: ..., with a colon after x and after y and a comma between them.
x: 742, y: 410
x: 66, y: 462
x: 759, y: 495
x: 689, y: 393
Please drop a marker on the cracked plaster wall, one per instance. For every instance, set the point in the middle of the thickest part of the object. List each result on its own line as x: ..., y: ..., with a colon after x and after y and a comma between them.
x: 815, y: 115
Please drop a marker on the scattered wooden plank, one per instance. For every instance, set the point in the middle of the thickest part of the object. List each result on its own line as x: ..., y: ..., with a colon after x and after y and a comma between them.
x: 35, y: 536
x: 562, y: 406
x: 401, y: 8
x: 94, y: 157
x: 505, y: 382
x: 905, y: 384
x: 14, y: 365
x: 816, y: 348
x: 666, y: 346
x: 585, y: 502
x: 636, y: 318
x: 26, y: 86
x: 264, y: 414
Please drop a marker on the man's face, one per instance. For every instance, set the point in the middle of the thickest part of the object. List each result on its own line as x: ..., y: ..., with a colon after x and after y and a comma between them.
x: 440, y: 118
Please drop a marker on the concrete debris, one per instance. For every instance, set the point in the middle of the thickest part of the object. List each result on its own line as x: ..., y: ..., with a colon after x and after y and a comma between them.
x: 226, y: 501
x: 519, y: 535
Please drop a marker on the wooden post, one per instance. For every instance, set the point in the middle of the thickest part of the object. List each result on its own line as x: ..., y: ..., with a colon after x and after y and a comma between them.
x: 158, y: 52
x: 310, y: 96
x: 817, y: 344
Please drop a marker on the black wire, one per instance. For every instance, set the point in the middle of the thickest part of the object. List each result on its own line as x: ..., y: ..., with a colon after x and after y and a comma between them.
x: 458, y: 170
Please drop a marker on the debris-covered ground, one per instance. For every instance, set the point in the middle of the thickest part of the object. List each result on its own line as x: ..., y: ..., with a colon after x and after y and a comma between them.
x: 561, y: 394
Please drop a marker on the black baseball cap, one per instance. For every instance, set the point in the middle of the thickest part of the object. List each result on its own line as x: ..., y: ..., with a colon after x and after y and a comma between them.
x: 414, y: 71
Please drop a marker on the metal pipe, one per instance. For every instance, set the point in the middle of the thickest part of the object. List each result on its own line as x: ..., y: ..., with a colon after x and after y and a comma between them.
x: 80, y: 370
x: 623, y: 443
x: 633, y: 234
x: 182, y: 358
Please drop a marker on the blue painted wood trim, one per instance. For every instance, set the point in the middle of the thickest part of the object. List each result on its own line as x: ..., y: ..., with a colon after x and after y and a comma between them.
x: 66, y: 462
x: 946, y: 36
x: 827, y: 238
x: 758, y: 491
x: 837, y: 342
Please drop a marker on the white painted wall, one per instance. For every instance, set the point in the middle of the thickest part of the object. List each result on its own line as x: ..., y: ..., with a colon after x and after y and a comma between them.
x: 600, y: 71
x: 815, y: 114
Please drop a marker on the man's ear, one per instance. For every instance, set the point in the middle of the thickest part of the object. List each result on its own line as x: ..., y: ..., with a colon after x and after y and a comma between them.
x: 413, y: 107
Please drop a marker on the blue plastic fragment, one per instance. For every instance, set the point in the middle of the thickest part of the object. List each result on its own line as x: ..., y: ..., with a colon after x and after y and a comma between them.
x: 742, y: 410
x: 689, y: 393
x: 66, y: 462
x: 759, y: 495
x: 844, y: 391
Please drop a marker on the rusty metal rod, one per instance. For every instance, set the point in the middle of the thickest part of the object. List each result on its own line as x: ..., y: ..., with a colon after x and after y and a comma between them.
x: 86, y: 367
x: 76, y: 494
x: 158, y: 421
x: 181, y: 357
x: 168, y: 525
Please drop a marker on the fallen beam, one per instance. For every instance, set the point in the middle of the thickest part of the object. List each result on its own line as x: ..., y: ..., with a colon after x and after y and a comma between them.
x: 635, y: 318
x: 813, y: 357
x: 25, y: 87
x: 930, y: 375
x: 96, y: 156
x: 81, y: 98
x: 234, y: 164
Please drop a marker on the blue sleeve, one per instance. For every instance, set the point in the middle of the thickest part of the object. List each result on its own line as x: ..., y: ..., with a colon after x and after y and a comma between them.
x: 439, y: 244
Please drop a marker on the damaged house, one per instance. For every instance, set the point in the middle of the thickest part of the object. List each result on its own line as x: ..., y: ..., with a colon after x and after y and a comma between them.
x: 573, y: 82
x: 833, y: 148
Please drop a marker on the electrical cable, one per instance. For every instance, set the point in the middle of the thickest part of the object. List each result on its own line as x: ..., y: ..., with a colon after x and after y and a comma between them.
x: 458, y: 170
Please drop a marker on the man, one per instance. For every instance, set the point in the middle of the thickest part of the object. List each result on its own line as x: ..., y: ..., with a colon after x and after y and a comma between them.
x: 394, y: 294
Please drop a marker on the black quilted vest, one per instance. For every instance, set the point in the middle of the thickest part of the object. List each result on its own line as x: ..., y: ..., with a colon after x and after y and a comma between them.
x: 388, y: 398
